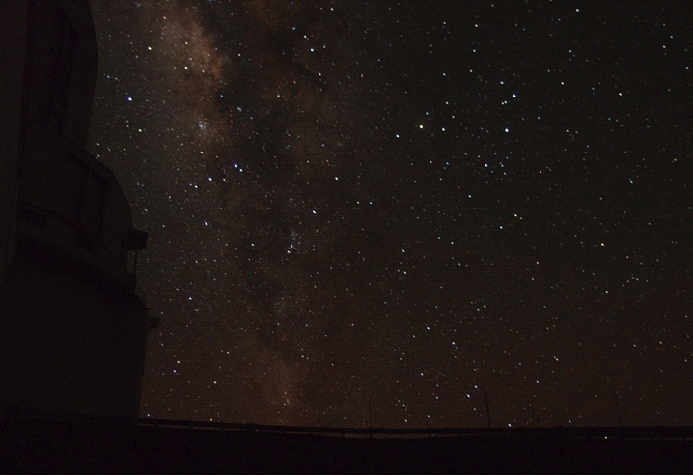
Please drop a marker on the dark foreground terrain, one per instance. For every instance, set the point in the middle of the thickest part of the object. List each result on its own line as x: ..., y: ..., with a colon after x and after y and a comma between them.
x: 57, y: 444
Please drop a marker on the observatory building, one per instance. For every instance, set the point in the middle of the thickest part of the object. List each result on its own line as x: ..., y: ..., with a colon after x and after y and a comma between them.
x: 73, y: 329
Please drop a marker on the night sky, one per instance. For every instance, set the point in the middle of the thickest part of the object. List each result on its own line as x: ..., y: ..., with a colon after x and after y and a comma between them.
x: 413, y: 203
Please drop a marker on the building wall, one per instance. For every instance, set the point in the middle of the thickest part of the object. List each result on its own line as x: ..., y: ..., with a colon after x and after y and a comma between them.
x: 75, y: 341
x: 73, y: 331
x: 42, y: 85
x: 12, y: 56
x: 61, y: 67
x: 73, y: 203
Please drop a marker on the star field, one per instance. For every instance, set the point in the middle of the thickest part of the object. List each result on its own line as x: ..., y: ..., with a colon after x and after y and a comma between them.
x: 414, y: 203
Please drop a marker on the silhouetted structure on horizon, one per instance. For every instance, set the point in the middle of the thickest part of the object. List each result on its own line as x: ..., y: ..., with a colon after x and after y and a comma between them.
x: 73, y: 330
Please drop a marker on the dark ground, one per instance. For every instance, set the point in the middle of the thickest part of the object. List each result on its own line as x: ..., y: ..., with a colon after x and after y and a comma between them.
x: 57, y: 444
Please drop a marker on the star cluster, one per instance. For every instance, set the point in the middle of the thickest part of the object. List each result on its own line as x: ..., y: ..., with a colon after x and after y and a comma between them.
x: 411, y: 204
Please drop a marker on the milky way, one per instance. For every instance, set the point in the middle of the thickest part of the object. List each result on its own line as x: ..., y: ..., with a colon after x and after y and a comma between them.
x: 409, y: 203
